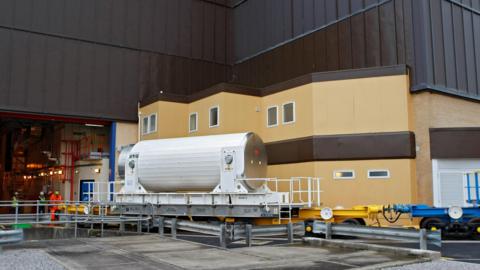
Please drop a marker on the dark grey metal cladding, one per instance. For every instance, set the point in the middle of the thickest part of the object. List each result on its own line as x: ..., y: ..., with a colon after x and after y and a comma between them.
x: 438, y: 39
x: 351, y: 36
x: 455, y: 142
x: 52, y: 75
x: 181, y: 28
x: 99, y: 58
x: 450, y: 47
x: 259, y: 25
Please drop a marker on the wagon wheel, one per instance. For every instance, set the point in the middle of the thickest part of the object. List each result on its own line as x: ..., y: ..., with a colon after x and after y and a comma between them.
x: 474, y: 223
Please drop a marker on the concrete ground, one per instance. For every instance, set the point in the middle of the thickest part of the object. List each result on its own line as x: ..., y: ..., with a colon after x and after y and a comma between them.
x: 154, y: 252
x: 454, y: 250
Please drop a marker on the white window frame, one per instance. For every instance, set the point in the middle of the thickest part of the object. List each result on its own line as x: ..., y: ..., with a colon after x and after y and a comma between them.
x: 149, y: 123
x: 145, y: 130
x: 190, y: 122
x: 378, y: 177
x: 342, y: 177
x: 294, y: 113
x: 210, y: 116
x: 276, y: 120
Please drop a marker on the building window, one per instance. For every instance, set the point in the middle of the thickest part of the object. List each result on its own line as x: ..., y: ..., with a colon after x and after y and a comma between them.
x: 192, y: 122
x: 379, y: 174
x: 344, y: 174
x: 272, y: 116
x: 214, y: 117
x: 149, y: 124
x: 153, y: 123
x: 145, y: 125
x: 288, y: 112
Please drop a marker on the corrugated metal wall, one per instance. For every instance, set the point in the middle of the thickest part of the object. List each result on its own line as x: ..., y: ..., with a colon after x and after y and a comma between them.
x: 452, y: 47
x: 376, y: 33
x: 263, y: 24
x: 97, y: 58
x: 438, y: 39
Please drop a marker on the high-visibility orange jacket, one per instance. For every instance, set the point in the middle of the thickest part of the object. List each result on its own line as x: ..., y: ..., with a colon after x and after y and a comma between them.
x: 54, y: 197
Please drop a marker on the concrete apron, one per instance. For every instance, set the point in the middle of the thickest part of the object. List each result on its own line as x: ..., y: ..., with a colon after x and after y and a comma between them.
x: 417, y: 255
x: 51, y: 233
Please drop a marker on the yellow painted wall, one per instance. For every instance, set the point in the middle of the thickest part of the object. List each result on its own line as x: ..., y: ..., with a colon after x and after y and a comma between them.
x: 172, y: 119
x: 437, y: 111
x: 238, y: 113
x: 379, y: 104
x: 361, y: 190
x: 303, y: 125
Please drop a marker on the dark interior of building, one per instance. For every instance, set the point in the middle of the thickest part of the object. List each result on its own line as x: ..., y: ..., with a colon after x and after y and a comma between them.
x: 40, y: 155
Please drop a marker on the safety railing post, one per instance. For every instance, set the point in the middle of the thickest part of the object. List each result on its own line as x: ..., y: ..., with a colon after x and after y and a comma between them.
x: 139, y: 224
x: 65, y: 214
x: 76, y: 220
x: 174, y: 228
x: 318, y: 191
x: 423, y: 239
x: 248, y: 235
x: 148, y: 224
x: 161, y: 226
x: 290, y: 232
x: 101, y: 225
x: 90, y: 216
x: 122, y: 225
x: 16, y: 213
x: 37, y: 212
x: 309, y: 191
x: 223, y: 236
x: 328, y: 232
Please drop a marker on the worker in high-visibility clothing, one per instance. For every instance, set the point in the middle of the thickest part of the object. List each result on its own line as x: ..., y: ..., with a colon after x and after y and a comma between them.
x: 55, y: 198
x: 15, y: 203
x: 42, y: 201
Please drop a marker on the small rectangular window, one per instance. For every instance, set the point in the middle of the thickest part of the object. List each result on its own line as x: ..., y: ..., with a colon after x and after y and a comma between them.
x: 272, y: 116
x: 192, y: 125
x: 214, y: 117
x: 153, y: 123
x: 379, y: 174
x: 145, y: 125
x: 288, y: 112
x: 344, y: 174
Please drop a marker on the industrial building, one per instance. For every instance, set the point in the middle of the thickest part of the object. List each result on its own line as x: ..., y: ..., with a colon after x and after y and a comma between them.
x: 379, y: 98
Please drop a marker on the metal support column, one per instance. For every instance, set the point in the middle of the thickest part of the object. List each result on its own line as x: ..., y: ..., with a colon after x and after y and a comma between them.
x: 290, y: 232
x: 328, y: 233
x: 423, y: 239
x: 161, y: 226
x: 174, y: 228
x: 76, y: 220
x: 122, y: 225
x: 139, y: 224
x: 223, y: 236
x: 248, y: 235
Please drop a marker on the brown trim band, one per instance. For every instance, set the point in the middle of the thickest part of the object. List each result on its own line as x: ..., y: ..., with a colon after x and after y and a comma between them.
x: 389, y: 145
x: 455, y: 142
x: 296, y: 82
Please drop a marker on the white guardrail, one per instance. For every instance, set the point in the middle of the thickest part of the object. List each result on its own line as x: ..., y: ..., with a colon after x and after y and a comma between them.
x: 422, y: 236
x: 10, y: 237
x: 230, y: 233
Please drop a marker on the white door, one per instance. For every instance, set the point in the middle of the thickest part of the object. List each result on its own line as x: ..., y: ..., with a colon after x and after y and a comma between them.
x: 449, y: 181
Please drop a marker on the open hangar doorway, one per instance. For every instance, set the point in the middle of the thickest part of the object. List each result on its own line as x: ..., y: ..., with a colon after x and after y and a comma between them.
x: 48, y: 153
